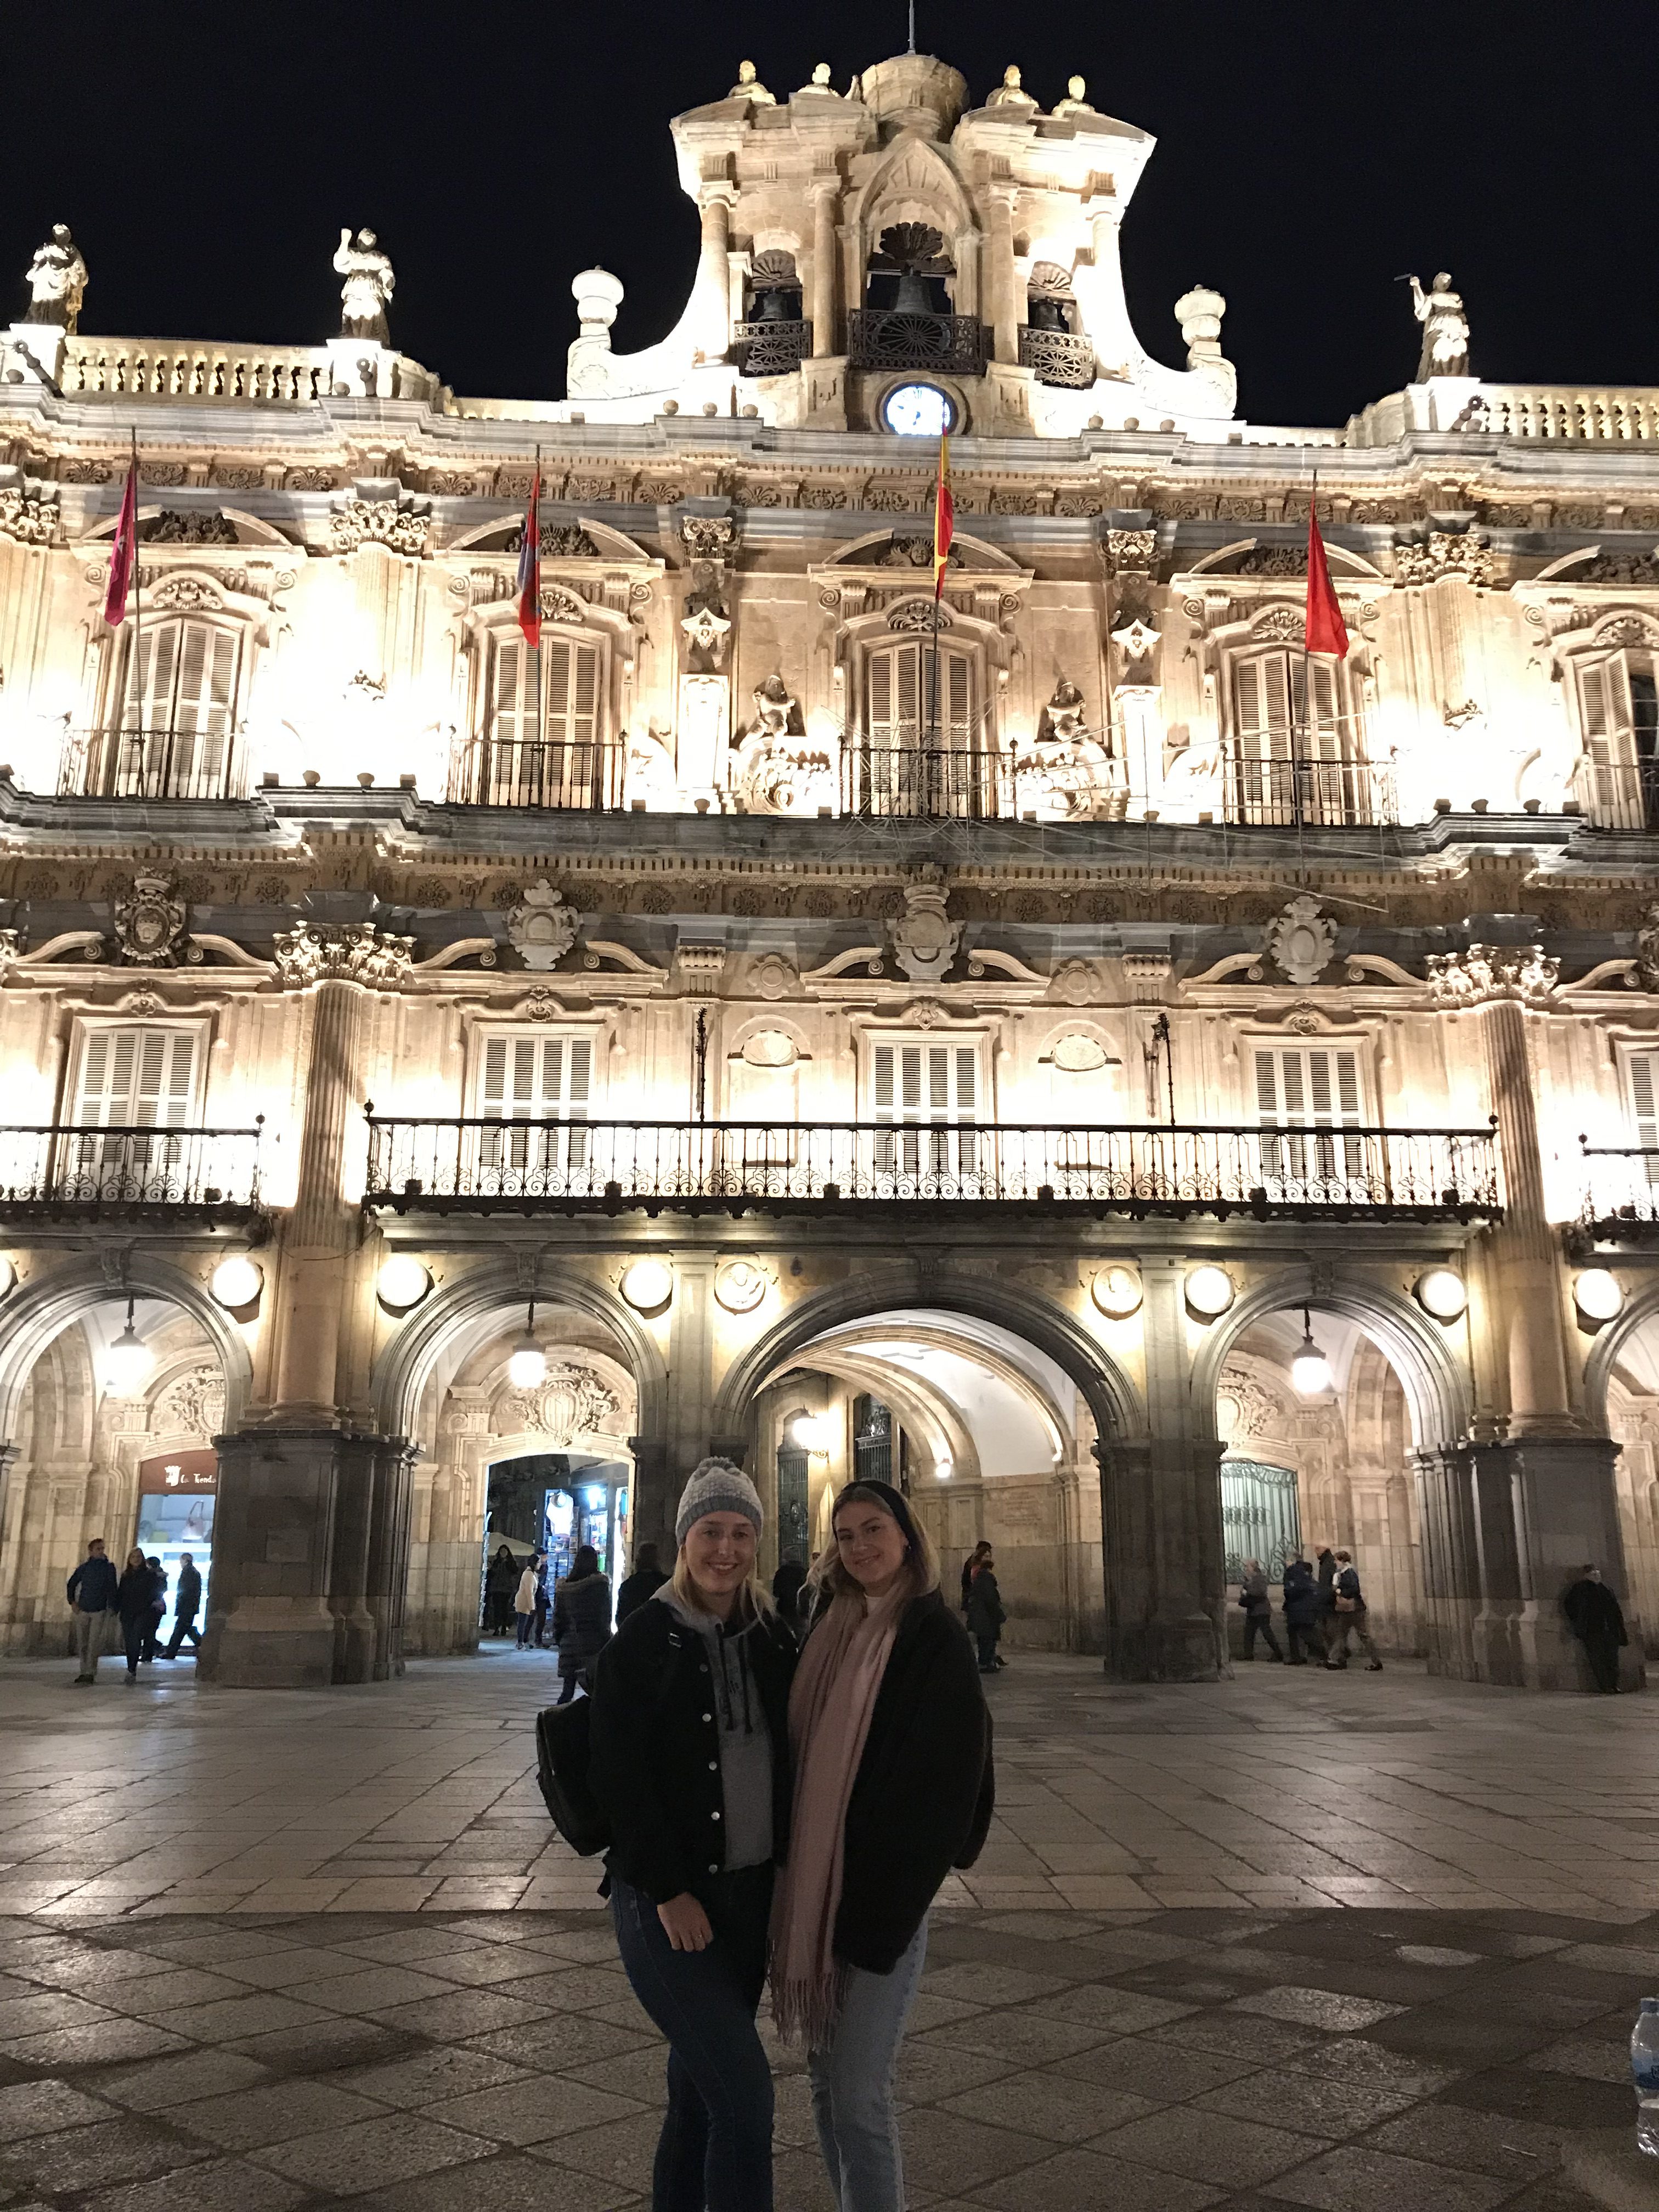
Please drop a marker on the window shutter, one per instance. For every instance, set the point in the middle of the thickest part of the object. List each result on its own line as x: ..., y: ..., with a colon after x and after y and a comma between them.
x: 1267, y: 1087
x: 1327, y: 732
x: 959, y: 699
x: 556, y: 663
x: 585, y: 696
x: 881, y: 703
x: 910, y: 1082
x: 507, y: 715
x: 495, y: 1076
x: 143, y: 1077
x: 883, y: 1082
x: 1644, y: 1097
x: 150, y: 668
x: 1247, y: 688
x: 967, y: 1082
x: 907, y: 688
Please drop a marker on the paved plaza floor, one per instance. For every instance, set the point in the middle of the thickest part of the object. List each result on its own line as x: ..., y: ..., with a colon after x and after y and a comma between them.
x: 1353, y: 1942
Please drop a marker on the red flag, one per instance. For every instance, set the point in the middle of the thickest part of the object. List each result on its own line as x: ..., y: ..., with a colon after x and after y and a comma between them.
x: 530, y: 564
x: 123, y: 551
x: 1327, y: 631
x: 944, y: 514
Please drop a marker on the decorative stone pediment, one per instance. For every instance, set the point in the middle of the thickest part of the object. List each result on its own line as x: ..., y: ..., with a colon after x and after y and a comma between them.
x: 191, y: 1405
x: 347, y: 952
x: 574, y: 1401
x: 1301, y: 940
x: 541, y: 926
x: 149, y: 923
x: 1493, y: 971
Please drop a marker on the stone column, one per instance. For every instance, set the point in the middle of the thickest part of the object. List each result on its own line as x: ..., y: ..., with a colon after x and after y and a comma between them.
x: 825, y: 193
x: 1004, y: 287
x: 1107, y: 310
x: 691, y: 1365
x: 1451, y: 1567
x: 714, y: 284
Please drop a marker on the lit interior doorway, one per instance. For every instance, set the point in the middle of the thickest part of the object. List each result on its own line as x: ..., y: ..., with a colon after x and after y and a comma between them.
x: 552, y: 1503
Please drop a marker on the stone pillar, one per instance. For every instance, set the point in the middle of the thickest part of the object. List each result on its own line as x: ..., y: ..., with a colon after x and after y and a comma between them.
x: 713, y: 282
x: 311, y: 1537
x: 1524, y: 1249
x: 1451, y: 1570
x: 691, y: 1364
x: 825, y: 193
x: 1107, y: 310
x: 1161, y: 1512
x: 1004, y: 288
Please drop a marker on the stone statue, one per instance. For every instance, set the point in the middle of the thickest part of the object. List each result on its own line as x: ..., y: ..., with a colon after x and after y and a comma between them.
x: 1074, y: 103
x: 706, y: 621
x: 820, y: 81
x: 1065, y: 774
x: 775, y: 768
x: 749, y: 87
x: 1011, y: 93
x: 367, y: 287
x: 1445, y: 329
x: 57, y: 278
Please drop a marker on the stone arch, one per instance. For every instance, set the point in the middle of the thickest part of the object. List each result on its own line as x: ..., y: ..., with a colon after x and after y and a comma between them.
x: 1608, y: 1350
x: 1435, y: 1382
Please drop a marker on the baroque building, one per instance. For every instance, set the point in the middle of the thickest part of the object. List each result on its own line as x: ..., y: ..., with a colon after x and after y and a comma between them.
x: 1160, y: 1098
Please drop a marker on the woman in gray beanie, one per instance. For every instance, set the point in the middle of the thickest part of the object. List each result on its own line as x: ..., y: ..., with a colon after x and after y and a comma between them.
x: 691, y: 1760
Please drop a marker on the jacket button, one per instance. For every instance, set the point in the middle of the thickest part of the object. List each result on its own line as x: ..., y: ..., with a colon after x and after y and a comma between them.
x: 714, y: 1767
x: 713, y: 1866
x: 714, y: 1816
x: 708, y: 1717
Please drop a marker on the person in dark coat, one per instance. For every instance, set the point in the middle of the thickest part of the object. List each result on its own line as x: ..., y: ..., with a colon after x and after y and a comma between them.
x: 646, y: 1579
x: 581, y: 1619
x: 186, y: 1604
x: 1302, y: 1614
x: 1349, y: 1618
x: 1258, y: 1610
x: 1596, y: 1619
x: 986, y: 1612
x: 786, y: 1585
x: 158, y: 1611
x: 133, y: 1601
x: 92, y: 1593
x: 500, y: 1585
x: 971, y: 1568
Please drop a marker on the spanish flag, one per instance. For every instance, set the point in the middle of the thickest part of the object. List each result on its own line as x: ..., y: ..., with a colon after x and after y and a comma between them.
x: 530, y: 562
x: 944, y: 514
x: 1327, y: 632
x: 122, y: 554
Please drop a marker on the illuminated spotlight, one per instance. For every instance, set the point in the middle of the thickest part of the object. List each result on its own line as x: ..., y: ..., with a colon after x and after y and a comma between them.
x: 237, y: 1283
x: 1311, y: 1371
x: 402, y: 1282
x: 526, y: 1368
x: 129, y: 1362
x: 1442, y: 1292
x: 1597, y: 1294
x: 1210, y: 1291
x: 649, y: 1285
x: 811, y: 1432
x: 1116, y: 1292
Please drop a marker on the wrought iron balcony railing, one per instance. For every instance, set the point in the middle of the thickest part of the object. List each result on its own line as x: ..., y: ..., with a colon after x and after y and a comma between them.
x: 440, y: 1164
x: 129, y: 1172
x: 894, y: 337
x: 1057, y: 356
x: 132, y: 763
x: 1621, y: 1192
x: 1619, y: 795
x: 1322, y: 793
x: 770, y: 349
x: 493, y: 771
x: 964, y: 784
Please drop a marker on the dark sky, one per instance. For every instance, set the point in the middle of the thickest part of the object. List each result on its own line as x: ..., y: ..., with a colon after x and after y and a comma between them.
x: 206, y: 157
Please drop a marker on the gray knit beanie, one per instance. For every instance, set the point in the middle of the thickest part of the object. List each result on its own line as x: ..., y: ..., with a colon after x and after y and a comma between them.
x: 717, y: 1486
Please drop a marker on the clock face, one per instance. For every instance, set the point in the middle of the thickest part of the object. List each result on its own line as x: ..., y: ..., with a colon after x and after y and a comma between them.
x: 918, y: 410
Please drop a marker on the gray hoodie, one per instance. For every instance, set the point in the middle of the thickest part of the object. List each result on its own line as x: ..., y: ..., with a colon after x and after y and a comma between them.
x: 745, y: 1741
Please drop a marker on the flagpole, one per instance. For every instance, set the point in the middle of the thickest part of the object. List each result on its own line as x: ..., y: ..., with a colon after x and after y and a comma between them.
x: 1307, y: 662
x: 137, y: 658
x: 541, y: 723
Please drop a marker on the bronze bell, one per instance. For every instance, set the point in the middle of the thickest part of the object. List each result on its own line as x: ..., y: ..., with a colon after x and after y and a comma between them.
x: 915, y: 296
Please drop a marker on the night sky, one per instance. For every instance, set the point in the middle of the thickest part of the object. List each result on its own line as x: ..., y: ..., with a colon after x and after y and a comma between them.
x: 207, y: 156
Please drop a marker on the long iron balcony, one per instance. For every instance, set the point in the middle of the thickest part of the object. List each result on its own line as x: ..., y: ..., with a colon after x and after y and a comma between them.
x: 127, y: 1172
x: 443, y: 1165
x: 155, y: 764
x: 1621, y: 1192
x: 536, y: 772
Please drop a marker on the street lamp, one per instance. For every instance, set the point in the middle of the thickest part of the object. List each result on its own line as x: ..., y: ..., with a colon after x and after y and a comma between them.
x: 129, y: 1362
x: 526, y: 1369
x: 1311, y: 1371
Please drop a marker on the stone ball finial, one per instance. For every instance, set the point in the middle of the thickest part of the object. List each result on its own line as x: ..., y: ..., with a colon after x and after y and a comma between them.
x: 598, y: 295
x: 1199, y: 313
x: 1075, y: 86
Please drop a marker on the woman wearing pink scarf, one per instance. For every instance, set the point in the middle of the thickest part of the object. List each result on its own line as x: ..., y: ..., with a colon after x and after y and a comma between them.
x: 893, y: 1787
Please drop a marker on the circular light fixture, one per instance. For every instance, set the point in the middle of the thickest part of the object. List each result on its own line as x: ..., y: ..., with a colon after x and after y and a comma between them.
x: 402, y: 1282
x: 1311, y: 1371
x: 527, y: 1366
x: 237, y: 1283
x: 1442, y: 1293
x: 918, y: 410
x: 129, y: 1362
x: 1597, y: 1294
x: 811, y: 1432
x: 7, y: 1277
x: 740, y: 1285
x: 1116, y: 1292
x: 649, y: 1285
x: 1209, y: 1291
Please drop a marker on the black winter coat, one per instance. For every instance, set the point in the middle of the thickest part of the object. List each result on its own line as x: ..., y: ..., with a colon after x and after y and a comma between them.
x: 94, y: 1585
x: 637, y: 1589
x: 1593, y: 1612
x: 924, y: 1792
x: 138, y: 1594
x: 1301, y: 1600
x: 188, y: 1602
x: 1327, y: 1565
x: 654, y: 1762
x: 581, y: 1619
x: 986, y: 1611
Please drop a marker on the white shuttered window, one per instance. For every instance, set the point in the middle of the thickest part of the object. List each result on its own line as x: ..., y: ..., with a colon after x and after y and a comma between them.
x: 535, y: 1079
x: 1287, y: 761
x: 178, y: 710
x: 928, y: 1094
x: 1644, y: 1105
x: 1308, y: 1087
x: 131, y: 1078
x: 1618, y: 706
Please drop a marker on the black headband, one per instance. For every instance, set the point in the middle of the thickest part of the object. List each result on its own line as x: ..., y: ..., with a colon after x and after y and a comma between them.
x: 883, y: 1494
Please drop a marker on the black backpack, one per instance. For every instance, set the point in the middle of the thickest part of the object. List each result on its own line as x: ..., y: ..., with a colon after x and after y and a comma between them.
x: 563, y: 1749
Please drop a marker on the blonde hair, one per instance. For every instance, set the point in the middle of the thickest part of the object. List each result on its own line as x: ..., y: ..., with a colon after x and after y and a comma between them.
x: 828, y: 1573
x: 753, y: 1601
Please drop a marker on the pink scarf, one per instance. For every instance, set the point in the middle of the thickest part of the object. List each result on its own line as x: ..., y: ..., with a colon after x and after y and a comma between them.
x: 830, y: 1702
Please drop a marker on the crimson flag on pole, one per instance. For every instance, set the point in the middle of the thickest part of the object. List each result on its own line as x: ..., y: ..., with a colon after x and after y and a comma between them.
x: 123, y: 551
x: 944, y: 514
x: 530, y: 564
x: 1327, y: 631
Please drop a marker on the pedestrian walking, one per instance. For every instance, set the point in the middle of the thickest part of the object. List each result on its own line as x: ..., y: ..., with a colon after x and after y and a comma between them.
x: 524, y: 1601
x: 986, y: 1614
x: 499, y: 1582
x: 133, y: 1598
x: 893, y: 1788
x: 1597, y: 1620
x: 1325, y: 1566
x: 1258, y: 1611
x: 690, y: 1734
x: 1348, y: 1617
x: 787, y: 1586
x: 1302, y: 1614
x: 544, y: 1601
x: 971, y: 1568
x: 186, y: 1604
x: 581, y: 1619
x: 636, y: 1590
x: 158, y: 1610
x: 92, y: 1590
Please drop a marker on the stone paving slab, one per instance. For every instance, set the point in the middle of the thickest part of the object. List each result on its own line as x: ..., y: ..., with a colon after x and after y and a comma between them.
x: 1045, y: 2073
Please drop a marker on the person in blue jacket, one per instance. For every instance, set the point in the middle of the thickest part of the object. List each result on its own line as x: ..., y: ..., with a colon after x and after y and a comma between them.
x: 92, y: 1593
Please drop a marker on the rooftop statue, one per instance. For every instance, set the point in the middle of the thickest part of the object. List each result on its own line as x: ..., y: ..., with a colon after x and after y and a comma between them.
x: 57, y: 278
x: 749, y: 87
x: 367, y: 287
x: 1074, y: 103
x: 1011, y: 93
x: 1445, y: 329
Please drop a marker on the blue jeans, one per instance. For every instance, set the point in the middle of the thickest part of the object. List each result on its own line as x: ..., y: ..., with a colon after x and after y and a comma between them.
x: 853, y: 2086
x: 715, y: 2148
